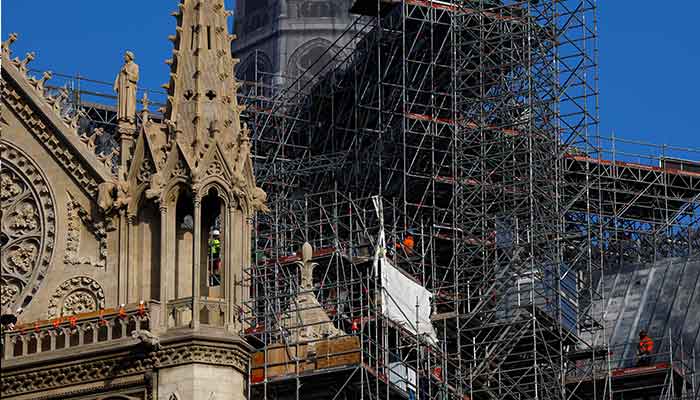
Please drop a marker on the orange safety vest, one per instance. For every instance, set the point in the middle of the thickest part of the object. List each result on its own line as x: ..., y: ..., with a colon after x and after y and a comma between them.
x: 646, y: 345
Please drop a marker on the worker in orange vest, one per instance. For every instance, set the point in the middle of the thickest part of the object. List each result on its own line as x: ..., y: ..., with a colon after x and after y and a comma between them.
x: 644, y: 350
x: 407, y: 244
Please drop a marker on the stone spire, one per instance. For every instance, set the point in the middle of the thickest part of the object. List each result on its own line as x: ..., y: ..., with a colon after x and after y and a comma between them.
x: 202, y: 89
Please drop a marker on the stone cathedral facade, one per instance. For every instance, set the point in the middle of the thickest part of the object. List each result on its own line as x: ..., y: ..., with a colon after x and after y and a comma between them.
x: 281, y: 39
x: 106, y: 256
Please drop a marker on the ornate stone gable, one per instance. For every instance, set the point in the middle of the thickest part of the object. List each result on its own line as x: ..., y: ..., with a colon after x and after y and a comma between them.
x: 28, y: 226
x: 26, y: 97
x: 214, y: 165
x: 144, y: 169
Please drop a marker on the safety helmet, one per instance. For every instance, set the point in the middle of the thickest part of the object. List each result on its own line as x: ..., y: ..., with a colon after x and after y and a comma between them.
x: 215, y: 232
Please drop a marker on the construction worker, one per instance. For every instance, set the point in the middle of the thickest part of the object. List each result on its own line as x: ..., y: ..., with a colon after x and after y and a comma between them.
x: 407, y: 244
x: 644, y: 350
x: 215, y: 258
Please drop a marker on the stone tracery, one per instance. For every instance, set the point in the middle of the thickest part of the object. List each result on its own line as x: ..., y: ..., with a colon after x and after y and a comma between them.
x: 28, y: 226
x: 77, y: 295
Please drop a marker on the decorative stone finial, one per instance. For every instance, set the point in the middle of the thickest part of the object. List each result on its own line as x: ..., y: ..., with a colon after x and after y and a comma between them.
x: 90, y: 140
x: 23, y: 66
x: 7, y: 44
x: 40, y: 83
x: 307, y: 252
x: 57, y: 101
x: 144, y: 110
x: 145, y: 102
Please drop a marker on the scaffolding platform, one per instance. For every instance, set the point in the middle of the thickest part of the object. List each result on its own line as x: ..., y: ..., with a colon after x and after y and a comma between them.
x: 284, y: 361
x: 660, y: 380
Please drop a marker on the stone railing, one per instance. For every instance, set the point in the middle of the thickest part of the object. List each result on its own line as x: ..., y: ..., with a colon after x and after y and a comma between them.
x: 211, y: 312
x: 81, y: 330
x: 179, y: 313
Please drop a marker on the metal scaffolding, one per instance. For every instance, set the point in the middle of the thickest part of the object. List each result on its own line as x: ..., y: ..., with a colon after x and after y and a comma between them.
x: 475, y: 123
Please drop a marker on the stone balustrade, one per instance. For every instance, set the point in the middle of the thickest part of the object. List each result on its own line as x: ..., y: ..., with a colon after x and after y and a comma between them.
x: 81, y: 330
x: 211, y: 312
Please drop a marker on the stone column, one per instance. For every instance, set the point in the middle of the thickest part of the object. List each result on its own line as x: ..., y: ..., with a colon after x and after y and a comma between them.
x: 227, y: 263
x: 126, y: 129
x: 196, y: 262
x: 133, y: 266
x: 164, y: 266
x: 123, y: 274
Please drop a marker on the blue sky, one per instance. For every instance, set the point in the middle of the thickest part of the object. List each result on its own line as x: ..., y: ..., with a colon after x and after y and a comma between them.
x: 649, y: 54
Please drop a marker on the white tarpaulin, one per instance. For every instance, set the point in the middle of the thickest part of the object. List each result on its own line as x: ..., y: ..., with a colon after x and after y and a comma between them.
x: 403, y: 300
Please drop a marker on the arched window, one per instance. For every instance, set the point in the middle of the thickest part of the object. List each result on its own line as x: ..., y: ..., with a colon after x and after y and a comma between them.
x: 255, y: 72
x: 310, y: 59
x: 148, y: 249
x: 184, y: 242
x: 213, y: 243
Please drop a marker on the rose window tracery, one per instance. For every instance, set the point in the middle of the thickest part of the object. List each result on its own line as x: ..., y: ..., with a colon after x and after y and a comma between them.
x: 28, y: 226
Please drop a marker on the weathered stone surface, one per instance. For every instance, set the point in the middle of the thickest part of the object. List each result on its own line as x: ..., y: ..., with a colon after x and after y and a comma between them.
x: 88, y: 229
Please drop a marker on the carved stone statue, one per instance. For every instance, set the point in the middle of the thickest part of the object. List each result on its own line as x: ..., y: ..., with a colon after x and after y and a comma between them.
x: 149, y: 340
x: 125, y: 86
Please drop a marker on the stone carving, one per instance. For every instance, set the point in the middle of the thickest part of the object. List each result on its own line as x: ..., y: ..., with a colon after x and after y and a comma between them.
x: 67, y: 374
x: 113, y: 195
x: 90, y: 140
x: 144, y: 108
x: 77, y: 216
x: 76, y: 295
x: 28, y: 227
x: 23, y: 65
x: 22, y: 258
x: 24, y: 218
x: 259, y: 201
x: 9, y: 293
x: 59, y: 100
x: 7, y: 44
x: 125, y: 86
x: 78, y: 302
x: 306, y: 319
x: 149, y: 340
x: 180, y: 170
x: 146, y: 170
x: 215, y: 169
x: 108, y: 158
x: 46, y: 135
x: 39, y: 84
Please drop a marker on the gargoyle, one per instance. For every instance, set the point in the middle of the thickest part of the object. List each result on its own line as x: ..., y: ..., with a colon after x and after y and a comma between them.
x: 149, y: 340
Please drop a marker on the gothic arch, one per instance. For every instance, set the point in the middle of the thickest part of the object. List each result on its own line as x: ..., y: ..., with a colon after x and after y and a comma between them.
x: 258, y: 60
x: 217, y: 183
x: 77, y: 295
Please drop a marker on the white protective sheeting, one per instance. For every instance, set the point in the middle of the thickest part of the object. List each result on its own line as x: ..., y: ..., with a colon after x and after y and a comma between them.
x: 404, y: 301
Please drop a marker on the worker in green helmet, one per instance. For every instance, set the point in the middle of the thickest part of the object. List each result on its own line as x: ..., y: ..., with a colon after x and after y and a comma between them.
x: 215, y: 258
